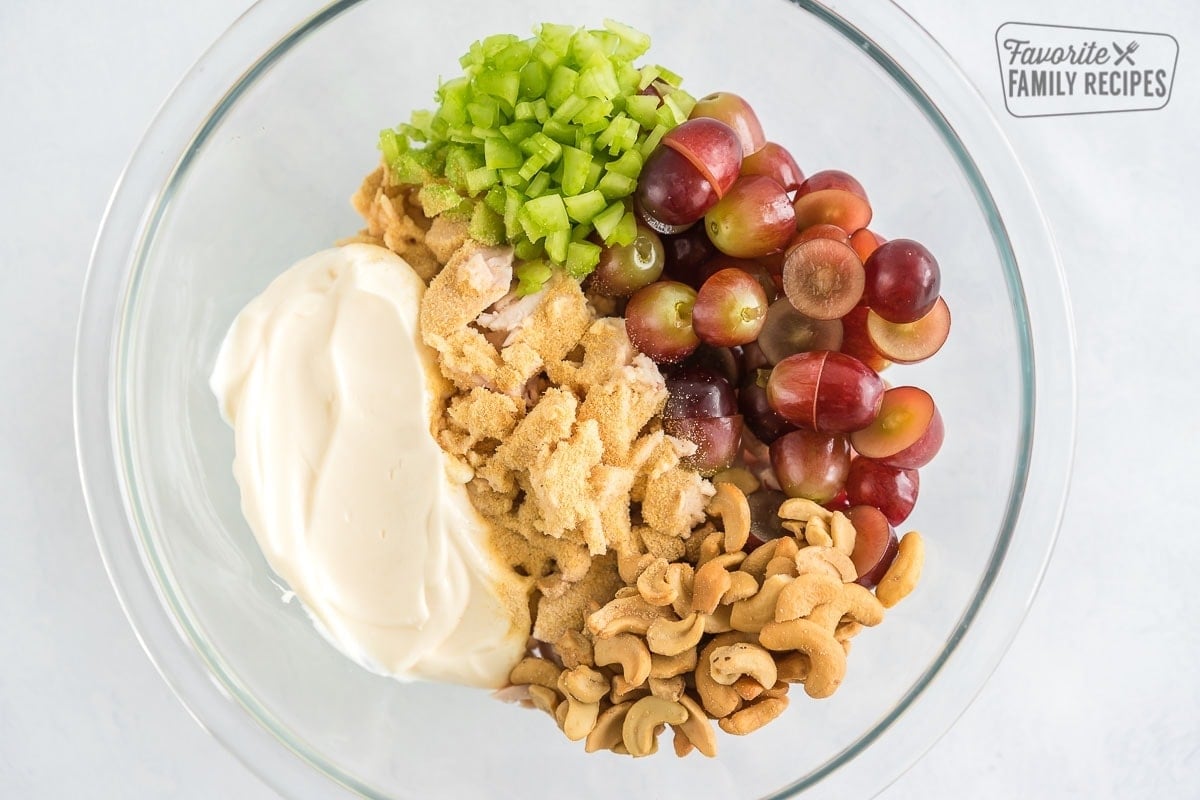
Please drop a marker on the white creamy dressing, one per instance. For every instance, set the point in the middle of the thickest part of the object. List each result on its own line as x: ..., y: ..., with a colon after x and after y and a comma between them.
x: 330, y: 392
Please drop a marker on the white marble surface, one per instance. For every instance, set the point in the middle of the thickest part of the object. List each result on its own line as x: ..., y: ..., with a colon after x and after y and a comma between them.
x: 1097, y: 697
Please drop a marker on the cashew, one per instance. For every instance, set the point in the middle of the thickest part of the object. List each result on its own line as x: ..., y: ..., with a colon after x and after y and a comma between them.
x: 545, y: 699
x: 752, y: 614
x: 624, y: 615
x: 697, y: 728
x: 537, y: 671
x: 828, y: 560
x: 756, y: 562
x: 579, y: 719
x: 627, y: 650
x: 670, y: 666
x: 841, y: 530
x: 583, y: 684
x: 847, y: 630
x: 733, y: 661
x: 630, y: 567
x: 816, y: 532
x: 827, y: 659
x: 792, y: 667
x: 670, y: 638
x: 710, y: 548
x: 654, y: 585
x: 787, y: 548
x: 607, y: 731
x: 805, y: 593
x: 718, y: 621
x: 626, y: 591
x: 902, y: 576
x: 802, y: 510
x: 740, y: 477
x: 667, y: 688
x: 754, y: 716
x: 719, y: 700
x: 574, y: 650
x: 712, y: 581
x: 747, y: 688
x: 781, y: 565
x: 623, y: 690
x: 780, y: 689
x: 638, y: 730
x: 729, y: 504
x: 853, y: 602
x: 741, y: 586
x: 681, y: 577
x: 682, y: 744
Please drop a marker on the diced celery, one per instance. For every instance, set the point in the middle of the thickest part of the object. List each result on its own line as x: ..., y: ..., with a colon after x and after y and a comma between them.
x: 495, y: 199
x: 633, y: 43
x: 463, y: 134
x: 523, y: 111
x: 512, y: 178
x: 504, y: 85
x: 459, y: 161
x: 642, y: 107
x: 584, y: 207
x: 513, y: 200
x: 607, y: 220
x: 483, y: 134
x: 575, y: 164
x: 652, y: 139
x: 531, y: 167
x: 560, y: 132
x: 486, y: 225
x: 532, y: 276
x: 501, y: 154
x: 512, y: 57
x: 391, y: 146
x: 543, y: 215
x: 535, y: 77
x: 667, y: 75
x: 595, y: 171
x: 527, y: 250
x: 581, y: 231
x: 648, y: 74
x: 629, y: 164
x: 542, y: 145
x: 555, y: 37
x: 683, y: 102
x: 568, y: 108
x: 584, y: 45
x: 614, y: 185
x: 582, y: 258
x: 518, y: 132
x: 594, y: 127
x: 561, y: 85
x: 541, y: 110
x: 556, y: 245
x: 484, y: 112
x: 585, y: 141
x: 437, y: 197
x: 597, y: 109
x: 598, y: 79
x: 625, y: 232
x: 539, y: 185
x: 480, y: 179
x: 409, y: 169
x: 628, y: 76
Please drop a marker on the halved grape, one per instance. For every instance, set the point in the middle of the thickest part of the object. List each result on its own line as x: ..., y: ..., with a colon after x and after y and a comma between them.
x: 907, y: 432
x: 890, y: 489
x: 762, y: 420
x: 823, y: 278
x: 735, y: 112
x: 910, y: 342
x: 822, y: 231
x: 775, y: 162
x: 730, y: 309
x: 903, y: 281
x: 834, y: 197
x: 623, y: 269
x: 865, y: 241
x: 671, y: 193
x: 855, y: 341
x: 809, y: 464
x: 825, y: 391
x: 658, y: 319
x: 711, y: 146
x: 786, y: 331
x: 875, y: 544
x: 753, y: 219
x: 753, y: 268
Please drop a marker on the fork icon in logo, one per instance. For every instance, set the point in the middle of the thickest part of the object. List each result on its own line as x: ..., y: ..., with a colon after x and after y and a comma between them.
x: 1126, y: 54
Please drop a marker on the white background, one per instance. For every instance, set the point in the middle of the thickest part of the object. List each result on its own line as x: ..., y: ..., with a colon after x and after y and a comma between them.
x: 1098, y: 697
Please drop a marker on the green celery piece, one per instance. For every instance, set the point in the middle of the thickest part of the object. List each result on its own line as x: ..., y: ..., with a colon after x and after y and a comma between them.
x: 560, y: 132
x: 494, y: 44
x: 546, y: 56
x: 584, y: 207
x: 531, y: 167
x: 652, y: 139
x: 524, y: 111
x: 512, y: 178
x: 495, y: 198
x: 542, y: 145
x: 532, y: 276
x: 513, y: 200
x: 625, y: 232
x: 543, y: 215
x: 629, y: 164
x: 527, y: 250
x: 648, y: 74
x: 391, y: 146
x: 513, y: 57
x: 664, y: 74
x: 483, y: 134
x: 459, y: 161
x: 584, y: 45
x: 484, y: 111
x: 538, y: 185
x: 556, y: 245
x: 595, y: 171
x: 464, y: 135
x: 611, y: 131
x: 453, y: 95
x: 582, y: 258
x: 626, y: 139
x: 633, y: 43
x: 575, y: 165
x: 541, y: 110
x: 535, y: 79
x: 598, y: 79
x: 643, y: 108
x: 581, y: 231
x: 486, y: 225
x: 501, y: 154
x: 481, y: 179
x: 568, y: 108
x: 561, y: 85
x: 628, y: 76
x: 503, y: 85
x: 437, y: 197
x: 517, y: 132
x: 614, y: 185
x: 607, y: 220
x: 585, y: 141
x: 557, y: 38
x: 421, y: 122
x: 597, y: 109
x: 409, y: 169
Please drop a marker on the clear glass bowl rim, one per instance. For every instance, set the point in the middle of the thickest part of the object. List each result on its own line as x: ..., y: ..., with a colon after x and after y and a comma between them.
x: 932, y: 80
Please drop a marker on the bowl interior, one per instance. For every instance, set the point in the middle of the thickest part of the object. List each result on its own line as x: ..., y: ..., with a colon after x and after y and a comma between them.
x: 267, y: 181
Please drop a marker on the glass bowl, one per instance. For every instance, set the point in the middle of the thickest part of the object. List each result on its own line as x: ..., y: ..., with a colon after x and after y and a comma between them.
x: 250, y: 165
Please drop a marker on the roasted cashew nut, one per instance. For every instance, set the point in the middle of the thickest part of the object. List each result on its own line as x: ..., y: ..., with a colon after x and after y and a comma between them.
x: 740, y: 477
x: 682, y: 744
x: 667, y: 688
x: 828, y: 560
x: 627, y: 650
x: 752, y: 614
x: 816, y: 532
x: 747, y: 688
x: 629, y: 614
x: 583, y: 684
x: 710, y: 548
x: 781, y: 565
x: 756, y: 562
x: 607, y: 731
x: 696, y: 728
x: 802, y: 509
x: 630, y: 567
x: 642, y: 720
x: 579, y: 719
x: 574, y: 650
x: 718, y: 621
x: 741, y: 586
x: 681, y: 577
x: 841, y: 530
x: 827, y: 659
x: 806, y: 592
x: 712, y: 581
x: 733, y: 661
x: 544, y: 699
x: 670, y: 666
x: 654, y: 584
x: 535, y: 671
x: 730, y: 506
x: 718, y: 700
x: 754, y: 716
x: 623, y: 690
x: 792, y: 667
x: 902, y: 576
x: 670, y: 638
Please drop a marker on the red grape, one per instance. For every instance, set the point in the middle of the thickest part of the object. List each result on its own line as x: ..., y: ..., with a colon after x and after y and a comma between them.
x: 841, y: 500
x: 725, y: 361
x: 762, y: 420
x: 786, y: 331
x: 735, y: 112
x: 893, y: 491
x: 711, y: 146
x: 822, y: 231
x: 775, y: 162
x: 765, y: 523
x: 753, y: 358
x: 910, y: 342
x: 730, y: 309
x: 834, y: 197
x: 825, y: 391
x: 823, y: 278
x: 903, y: 281
x: 623, y: 269
x: 753, y: 268
x: 855, y: 341
x: 658, y: 319
x: 671, y: 192
x: 907, y: 432
x: 810, y: 464
x: 753, y: 219
x: 865, y: 241
x: 875, y: 544
x: 717, y: 440
x: 686, y: 253
x: 695, y: 392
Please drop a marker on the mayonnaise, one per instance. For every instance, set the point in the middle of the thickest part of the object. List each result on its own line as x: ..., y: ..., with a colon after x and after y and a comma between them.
x: 330, y: 391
